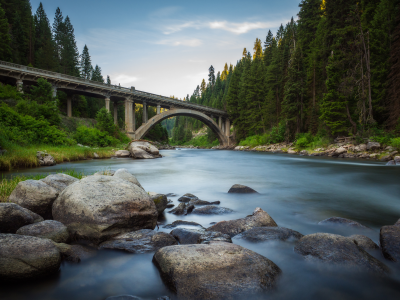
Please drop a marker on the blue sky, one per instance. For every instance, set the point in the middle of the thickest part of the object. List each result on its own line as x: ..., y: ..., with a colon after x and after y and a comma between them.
x: 166, y: 47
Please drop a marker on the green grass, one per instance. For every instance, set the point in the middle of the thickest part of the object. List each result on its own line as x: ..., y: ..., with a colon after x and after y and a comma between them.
x: 7, y: 185
x: 25, y: 157
x: 201, y: 141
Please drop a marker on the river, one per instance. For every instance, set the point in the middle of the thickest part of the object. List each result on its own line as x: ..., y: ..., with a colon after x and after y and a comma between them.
x: 297, y: 192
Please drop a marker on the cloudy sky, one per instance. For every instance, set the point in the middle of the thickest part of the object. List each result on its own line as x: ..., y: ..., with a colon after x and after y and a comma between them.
x: 164, y: 46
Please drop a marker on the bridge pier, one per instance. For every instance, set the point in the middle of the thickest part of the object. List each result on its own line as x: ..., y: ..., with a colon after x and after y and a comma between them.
x: 228, y: 128
x: 133, y: 117
x: 69, y: 105
x: 158, y: 109
x: 128, y: 116
x: 108, y: 103
x: 219, y: 122
x: 54, y: 87
x: 116, y: 113
x: 144, y: 119
x: 20, y: 86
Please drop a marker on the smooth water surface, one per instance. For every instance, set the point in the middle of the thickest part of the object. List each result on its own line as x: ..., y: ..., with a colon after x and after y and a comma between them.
x: 297, y: 192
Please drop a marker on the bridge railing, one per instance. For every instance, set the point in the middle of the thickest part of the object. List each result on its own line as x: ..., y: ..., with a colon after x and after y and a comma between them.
x: 108, y: 86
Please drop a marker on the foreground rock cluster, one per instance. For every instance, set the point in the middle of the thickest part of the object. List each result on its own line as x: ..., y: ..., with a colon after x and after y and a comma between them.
x: 111, y: 210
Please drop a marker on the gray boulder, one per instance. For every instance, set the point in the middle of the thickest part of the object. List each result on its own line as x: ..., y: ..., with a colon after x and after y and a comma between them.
x: 27, y: 257
x: 364, y: 242
x: 182, y: 223
x: 140, y: 241
x: 125, y: 175
x: 261, y: 234
x: 36, y: 196
x: 187, y: 236
x: 13, y: 217
x: 259, y: 218
x: 390, y: 242
x: 99, y: 207
x: 160, y: 201
x: 372, y: 146
x: 59, y: 181
x: 341, y: 221
x: 124, y: 297
x: 75, y: 253
x: 49, y: 229
x: 45, y: 159
x: 182, y: 209
x: 212, y: 210
x: 122, y: 153
x: 143, y: 150
x: 214, y: 236
x: 241, y: 189
x: 338, y: 250
x: 215, y: 271
x: 202, y: 202
x: 187, y: 198
x: 105, y: 173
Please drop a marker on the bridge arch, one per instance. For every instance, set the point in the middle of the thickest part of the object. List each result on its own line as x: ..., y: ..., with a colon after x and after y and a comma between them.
x: 144, y: 129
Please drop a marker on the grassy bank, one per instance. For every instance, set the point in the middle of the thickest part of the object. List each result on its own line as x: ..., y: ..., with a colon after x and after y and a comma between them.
x: 200, y: 141
x: 25, y: 157
x: 8, y: 185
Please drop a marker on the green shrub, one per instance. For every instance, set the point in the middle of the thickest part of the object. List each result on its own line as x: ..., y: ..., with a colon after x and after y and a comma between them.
x: 395, y: 142
x: 47, y: 111
x: 9, y: 92
x: 94, y: 137
x: 277, y: 134
x: 105, y: 121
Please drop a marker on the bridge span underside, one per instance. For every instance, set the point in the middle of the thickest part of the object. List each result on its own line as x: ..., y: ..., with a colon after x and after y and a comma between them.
x: 222, y: 130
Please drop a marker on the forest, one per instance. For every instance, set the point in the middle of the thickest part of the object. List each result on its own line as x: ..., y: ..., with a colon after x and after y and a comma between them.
x: 333, y: 72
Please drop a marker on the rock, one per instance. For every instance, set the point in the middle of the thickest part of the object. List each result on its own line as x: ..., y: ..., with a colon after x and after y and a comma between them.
x: 391, y: 163
x: 241, y: 189
x: 213, y: 236
x: 13, y: 217
x: 122, y: 153
x: 341, y: 221
x: 291, y: 152
x: 397, y: 159
x: 340, y: 150
x: 304, y: 152
x: 390, y: 242
x: 182, y: 209
x: 215, y: 271
x: 180, y: 223
x: 338, y: 250
x: 125, y: 175
x: 45, y: 159
x: 75, y: 253
x: 202, y: 202
x: 164, y: 298
x: 171, y: 195
x: 143, y: 150
x: 360, y: 148
x: 124, y: 297
x: 211, y: 210
x: 363, y: 241
x: 59, y: 181
x: 386, y: 158
x: 397, y: 223
x: 36, y: 196
x: 27, y: 257
x: 261, y: 234
x: 105, y: 173
x: 99, y: 207
x: 372, y: 146
x: 49, y: 229
x: 187, y: 198
x: 187, y: 236
x: 374, y: 155
x: 170, y: 205
x: 259, y: 218
x: 95, y: 155
x: 160, y: 201
x: 140, y: 241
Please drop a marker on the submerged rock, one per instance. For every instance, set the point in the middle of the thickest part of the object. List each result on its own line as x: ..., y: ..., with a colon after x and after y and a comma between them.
x: 125, y: 175
x: 259, y: 218
x: 182, y: 209
x: 212, y: 210
x: 75, y: 253
x: 215, y: 271
x: 36, y: 196
x: 27, y: 257
x: 13, y: 217
x: 261, y: 234
x: 143, y: 150
x: 363, y: 241
x: 160, y: 201
x: 341, y: 221
x: 338, y: 250
x: 140, y: 241
x: 59, y: 181
x: 180, y: 223
x: 99, y: 207
x: 241, y: 189
x: 124, y: 297
x: 390, y: 242
x: 214, y: 236
x: 202, y: 202
x: 49, y: 229
x: 187, y: 236
x: 187, y: 198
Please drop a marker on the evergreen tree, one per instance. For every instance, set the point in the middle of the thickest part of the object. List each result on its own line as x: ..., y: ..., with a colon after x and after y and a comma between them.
x: 268, y: 40
x: 225, y: 72
x: 86, y: 64
x: 96, y: 75
x: 257, y: 49
x: 69, y: 63
x: 108, y: 80
x: 58, y: 33
x: 211, y: 75
x: 5, y: 39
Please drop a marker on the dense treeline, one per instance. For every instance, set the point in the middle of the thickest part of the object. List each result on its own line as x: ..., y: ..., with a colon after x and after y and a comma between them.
x: 29, y: 39
x: 333, y: 72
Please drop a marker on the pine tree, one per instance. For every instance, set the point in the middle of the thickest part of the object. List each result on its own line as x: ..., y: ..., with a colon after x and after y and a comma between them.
x: 108, y: 80
x: 96, y: 74
x: 203, y: 87
x: 58, y: 33
x: 211, y: 75
x: 5, y: 39
x: 86, y: 64
x: 69, y: 51
x: 257, y: 49
x: 225, y: 72
x: 268, y: 40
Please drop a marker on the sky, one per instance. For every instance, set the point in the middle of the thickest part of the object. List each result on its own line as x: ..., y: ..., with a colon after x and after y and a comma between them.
x: 166, y: 47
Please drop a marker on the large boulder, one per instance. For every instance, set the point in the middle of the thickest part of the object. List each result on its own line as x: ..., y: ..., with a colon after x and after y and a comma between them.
x: 105, y: 173
x: 372, y: 146
x: 182, y: 209
x: 142, y: 150
x: 49, y: 229
x: 122, y: 153
x: 212, y: 210
x: 140, y: 241
x: 100, y: 207
x: 364, y: 242
x: 390, y: 242
x: 187, y: 198
x: 160, y: 201
x: 259, y: 218
x: 36, y: 196
x: 27, y: 257
x: 202, y: 202
x: 187, y: 236
x: 241, y: 189
x: 75, y: 253
x: 341, y: 222
x: 213, y: 236
x: 59, y: 181
x: 215, y: 271
x: 13, y: 217
x: 261, y: 234
x: 125, y: 175
x: 338, y: 250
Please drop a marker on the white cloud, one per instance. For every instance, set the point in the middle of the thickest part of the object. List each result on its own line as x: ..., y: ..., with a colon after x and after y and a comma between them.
x: 179, y: 27
x: 181, y: 42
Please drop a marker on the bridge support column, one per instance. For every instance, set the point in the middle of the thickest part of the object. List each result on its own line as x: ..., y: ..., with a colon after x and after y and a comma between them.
x: 128, y: 116
x: 108, y: 104
x: 158, y: 109
x: 133, y: 117
x: 144, y: 119
x: 69, y: 106
x: 54, y: 88
x: 115, y: 113
x: 20, y: 85
x: 220, y: 122
x: 228, y: 128
x: 223, y: 126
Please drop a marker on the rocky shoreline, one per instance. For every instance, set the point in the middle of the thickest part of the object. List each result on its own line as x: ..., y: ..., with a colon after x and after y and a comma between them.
x: 46, y: 221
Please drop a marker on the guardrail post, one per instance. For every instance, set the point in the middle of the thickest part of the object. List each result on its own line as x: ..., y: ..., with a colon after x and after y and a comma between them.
x: 69, y: 105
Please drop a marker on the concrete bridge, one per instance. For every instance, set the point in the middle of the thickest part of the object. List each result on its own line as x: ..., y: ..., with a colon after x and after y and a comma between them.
x: 216, y: 119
